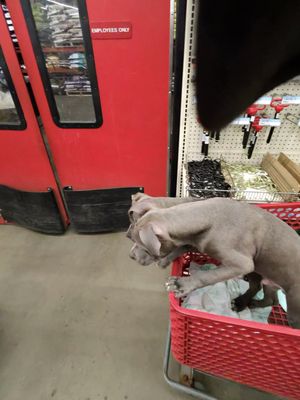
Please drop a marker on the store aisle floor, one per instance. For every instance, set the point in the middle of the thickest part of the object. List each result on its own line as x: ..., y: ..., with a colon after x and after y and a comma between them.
x: 79, y: 320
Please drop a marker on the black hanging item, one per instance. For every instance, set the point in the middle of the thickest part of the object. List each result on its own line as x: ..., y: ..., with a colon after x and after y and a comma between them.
x: 256, y: 127
x: 206, y: 144
x: 203, y: 143
x: 251, y: 112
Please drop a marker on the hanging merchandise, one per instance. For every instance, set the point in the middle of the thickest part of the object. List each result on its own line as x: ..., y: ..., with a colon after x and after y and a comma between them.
x: 203, y: 142
x: 218, y: 135
x: 251, y: 112
x: 276, y: 103
x: 255, y: 127
x: 206, y: 144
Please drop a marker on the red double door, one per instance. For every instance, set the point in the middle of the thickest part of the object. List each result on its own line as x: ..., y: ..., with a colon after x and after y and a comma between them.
x: 29, y: 194
x: 99, y: 73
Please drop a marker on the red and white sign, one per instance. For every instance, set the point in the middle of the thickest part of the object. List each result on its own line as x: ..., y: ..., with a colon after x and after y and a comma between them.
x: 111, y: 30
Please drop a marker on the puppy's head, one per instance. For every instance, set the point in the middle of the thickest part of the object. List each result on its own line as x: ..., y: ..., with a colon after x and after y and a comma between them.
x: 141, y: 255
x: 154, y: 238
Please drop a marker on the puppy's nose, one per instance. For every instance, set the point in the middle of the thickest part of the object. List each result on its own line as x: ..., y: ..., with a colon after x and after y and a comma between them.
x: 133, y: 216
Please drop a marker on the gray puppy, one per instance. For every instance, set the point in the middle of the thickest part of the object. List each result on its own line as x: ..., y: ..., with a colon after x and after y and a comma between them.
x: 142, y: 203
x: 243, y: 237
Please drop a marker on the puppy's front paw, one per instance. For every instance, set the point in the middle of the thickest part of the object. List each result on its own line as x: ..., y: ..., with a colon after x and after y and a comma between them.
x: 239, y: 304
x: 163, y: 263
x: 180, y: 286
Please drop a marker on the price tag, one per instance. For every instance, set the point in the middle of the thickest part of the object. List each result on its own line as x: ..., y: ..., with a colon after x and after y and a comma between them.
x: 291, y: 100
x: 265, y: 100
x: 241, y: 121
x: 269, y: 122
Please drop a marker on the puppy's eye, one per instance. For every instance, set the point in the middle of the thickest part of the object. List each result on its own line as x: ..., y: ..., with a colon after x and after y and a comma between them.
x: 146, y: 251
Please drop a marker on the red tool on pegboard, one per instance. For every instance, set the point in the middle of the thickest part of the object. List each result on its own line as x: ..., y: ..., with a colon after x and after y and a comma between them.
x: 251, y: 112
x: 278, y: 107
x: 256, y: 127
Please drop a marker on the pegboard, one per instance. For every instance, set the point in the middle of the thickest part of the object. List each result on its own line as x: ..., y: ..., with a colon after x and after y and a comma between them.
x: 286, y: 138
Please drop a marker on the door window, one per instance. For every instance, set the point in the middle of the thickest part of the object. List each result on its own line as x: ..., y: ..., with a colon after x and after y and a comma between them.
x: 11, y: 116
x: 61, y: 41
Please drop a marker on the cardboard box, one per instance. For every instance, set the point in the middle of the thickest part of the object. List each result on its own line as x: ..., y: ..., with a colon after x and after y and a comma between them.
x: 281, y: 177
x: 290, y: 165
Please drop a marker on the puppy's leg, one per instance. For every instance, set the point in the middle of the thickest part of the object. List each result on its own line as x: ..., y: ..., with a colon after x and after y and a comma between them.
x: 270, y: 298
x: 243, y: 301
x: 164, y: 262
x: 293, y: 306
x: 232, y: 266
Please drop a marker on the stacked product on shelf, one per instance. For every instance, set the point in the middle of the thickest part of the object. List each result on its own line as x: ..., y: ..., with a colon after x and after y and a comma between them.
x: 77, y: 84
x: 64, y: 24
x: 77, y: 60
x: 60, y: 33
x: 54, y: 62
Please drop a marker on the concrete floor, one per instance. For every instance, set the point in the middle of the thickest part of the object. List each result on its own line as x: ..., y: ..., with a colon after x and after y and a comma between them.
x: 79, y: 320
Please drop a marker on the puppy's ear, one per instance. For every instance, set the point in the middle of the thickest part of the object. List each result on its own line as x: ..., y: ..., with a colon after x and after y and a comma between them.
x: 152, y: 237
x: 138, y: 197
x: 137, y: 210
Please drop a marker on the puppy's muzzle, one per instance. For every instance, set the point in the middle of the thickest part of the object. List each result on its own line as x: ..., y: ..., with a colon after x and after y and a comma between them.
x: 132, y: 255
x: 129, y: 232
x: 139, y: 254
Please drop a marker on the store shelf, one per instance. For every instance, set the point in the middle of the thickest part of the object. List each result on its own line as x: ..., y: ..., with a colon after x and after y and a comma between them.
x: 78, y: 93
x: 66, y: 71
x: 62, y: 49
